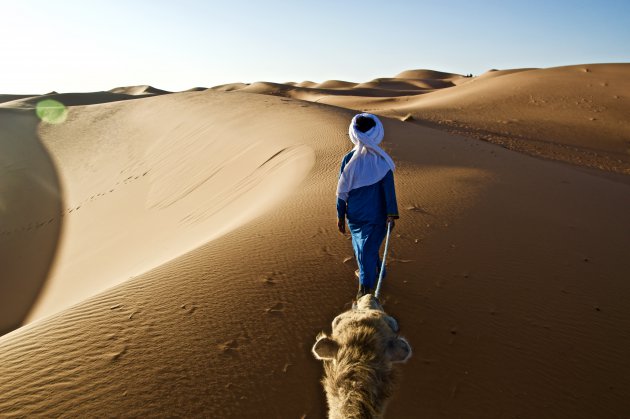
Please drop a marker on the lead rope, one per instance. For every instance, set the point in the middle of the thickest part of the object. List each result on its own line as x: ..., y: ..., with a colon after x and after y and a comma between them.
x: 380, y: 276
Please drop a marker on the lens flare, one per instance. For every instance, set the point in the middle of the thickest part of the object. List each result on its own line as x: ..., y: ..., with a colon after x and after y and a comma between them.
x: 51, y: 111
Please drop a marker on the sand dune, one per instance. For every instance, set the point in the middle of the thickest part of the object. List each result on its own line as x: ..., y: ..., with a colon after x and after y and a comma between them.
x: 570, y: 113
x: 197, y: 89
x: 139, y: 90
x: 316, y: 93
x: 406, y: 84
x: 575, y: 114
x: 334, y: 84
x: 507, y: 273
x: 176, y: 171
x: 230, y: 87
x: 497, y: 73
x: 306, y: 83
x: 425, y: 74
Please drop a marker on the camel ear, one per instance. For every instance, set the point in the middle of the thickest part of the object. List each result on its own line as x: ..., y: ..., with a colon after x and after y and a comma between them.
x: 392, y: 323
x: 399, y: 350
x: 325, y: 348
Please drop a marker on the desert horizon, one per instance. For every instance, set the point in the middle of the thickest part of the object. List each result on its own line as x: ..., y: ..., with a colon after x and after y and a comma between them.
x: 180, y: 247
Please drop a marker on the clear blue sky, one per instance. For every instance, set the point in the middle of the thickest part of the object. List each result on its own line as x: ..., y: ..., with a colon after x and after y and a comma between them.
x: 88, y: 45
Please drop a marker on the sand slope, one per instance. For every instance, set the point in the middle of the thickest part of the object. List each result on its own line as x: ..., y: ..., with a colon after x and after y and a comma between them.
x: 150, y: 180
x: 579, y: 107
x: 507, y: 273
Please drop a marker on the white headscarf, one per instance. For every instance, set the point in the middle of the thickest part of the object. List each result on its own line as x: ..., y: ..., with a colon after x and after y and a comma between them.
x: 369, y: 163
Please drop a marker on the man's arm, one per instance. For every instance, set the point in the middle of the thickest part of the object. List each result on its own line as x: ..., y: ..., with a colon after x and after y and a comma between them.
x: 341, y: 215
x: 341, y: 204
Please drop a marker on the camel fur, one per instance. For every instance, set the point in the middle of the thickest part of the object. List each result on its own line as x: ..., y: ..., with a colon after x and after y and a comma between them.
x: 358, y: 356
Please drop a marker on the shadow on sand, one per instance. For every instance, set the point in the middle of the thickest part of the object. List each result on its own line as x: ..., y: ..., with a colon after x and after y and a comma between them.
x: 30, y: 215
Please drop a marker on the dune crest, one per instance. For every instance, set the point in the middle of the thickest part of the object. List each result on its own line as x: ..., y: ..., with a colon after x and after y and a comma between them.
x: 139, y: 90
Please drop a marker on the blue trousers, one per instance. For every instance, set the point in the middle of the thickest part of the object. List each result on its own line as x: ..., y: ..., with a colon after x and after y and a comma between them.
x: 366, y: 241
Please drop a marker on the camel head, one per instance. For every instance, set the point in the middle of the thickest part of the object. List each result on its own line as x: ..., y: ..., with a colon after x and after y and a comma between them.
x: 358, y: 358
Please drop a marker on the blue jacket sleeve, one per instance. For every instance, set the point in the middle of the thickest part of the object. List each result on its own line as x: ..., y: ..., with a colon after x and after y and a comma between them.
x: 341, y: 204
x: 341, y: 208
x: 391, y: 205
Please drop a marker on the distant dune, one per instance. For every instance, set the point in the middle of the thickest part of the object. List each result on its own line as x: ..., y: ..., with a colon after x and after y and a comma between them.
x: 334, y: 84
x: 575, y: 114
x: 139, y: 90
x: 175, y: 254
x: 425, y: 74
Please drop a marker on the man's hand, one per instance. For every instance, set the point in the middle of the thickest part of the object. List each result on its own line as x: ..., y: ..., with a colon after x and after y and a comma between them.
x: 392, y: 220
x: 341, y: 225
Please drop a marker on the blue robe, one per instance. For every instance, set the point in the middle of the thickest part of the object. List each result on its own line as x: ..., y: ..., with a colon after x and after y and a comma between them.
x: 367, y: 209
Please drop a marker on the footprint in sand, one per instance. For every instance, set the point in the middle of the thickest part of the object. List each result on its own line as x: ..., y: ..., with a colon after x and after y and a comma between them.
x: 277, y: 308
x: 326, y: 250
x: 320, y: 231
x: 115, y: 356
x: 416, y: 208
x: 244, y: 336
x: 229, y: 347
x: 189, y: 308
x: 396, y: 260
x: 271, y: 278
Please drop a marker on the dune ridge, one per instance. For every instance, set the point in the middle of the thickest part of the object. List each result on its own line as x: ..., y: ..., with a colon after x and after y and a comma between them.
x: 10, y: 98
x: 71, y: 99
x: 139, y: 90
